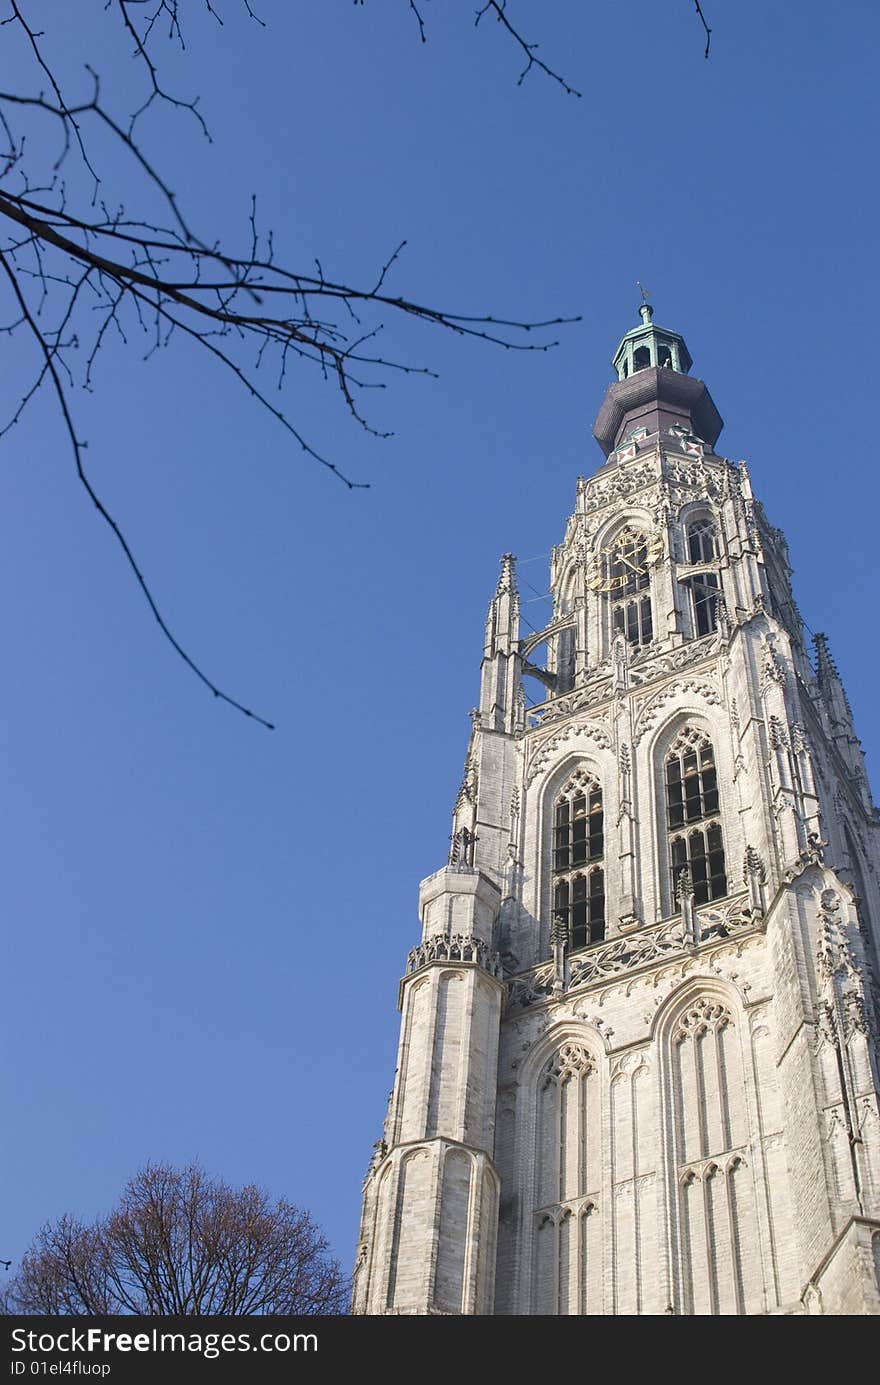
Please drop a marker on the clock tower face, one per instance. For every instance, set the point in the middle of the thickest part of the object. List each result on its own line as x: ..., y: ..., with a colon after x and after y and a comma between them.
x: 624, y: 565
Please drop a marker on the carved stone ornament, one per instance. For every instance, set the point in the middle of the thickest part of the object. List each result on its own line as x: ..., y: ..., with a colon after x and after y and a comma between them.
x: 771, y: 666
x: 576, y: 731
x: 706, y: 1016
x: 572, y: 1060
x: 630, y: 478
x: 469, y: 787
x: 647, y: 664
x: 753, y: 865
x: 633, y: 951
x: 558, y: 931
x: 455, y: 947
x: 598, y: 691
x: 652, y: 708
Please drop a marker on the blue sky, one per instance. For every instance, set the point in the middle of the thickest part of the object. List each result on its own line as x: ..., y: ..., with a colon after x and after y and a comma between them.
x: 205, y: 922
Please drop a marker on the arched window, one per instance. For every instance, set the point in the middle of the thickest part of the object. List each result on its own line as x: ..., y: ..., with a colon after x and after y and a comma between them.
x: 578, y: 853
x: 641, y: 358
x: 701, y: 541
x: 703, y: 587
x: 629, y: 583
x: 692, y: 815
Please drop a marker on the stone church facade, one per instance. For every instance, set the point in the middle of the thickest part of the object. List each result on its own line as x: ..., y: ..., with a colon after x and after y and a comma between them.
x: 638, y: 1063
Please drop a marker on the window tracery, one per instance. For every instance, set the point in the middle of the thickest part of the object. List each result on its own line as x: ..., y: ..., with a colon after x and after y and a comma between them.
x: 702, y: 545
x: 704, y: 588
x: 696, y: 843
x: 629, y: 584
x: 578, y: 857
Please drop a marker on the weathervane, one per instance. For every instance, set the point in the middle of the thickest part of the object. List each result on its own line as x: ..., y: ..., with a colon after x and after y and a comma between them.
x: 646, y: 294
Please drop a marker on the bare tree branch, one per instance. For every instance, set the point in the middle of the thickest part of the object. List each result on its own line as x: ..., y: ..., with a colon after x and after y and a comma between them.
x: 80, y: 270
x: 77, y: 446
x: 702, y: 19
x: 529, y: 50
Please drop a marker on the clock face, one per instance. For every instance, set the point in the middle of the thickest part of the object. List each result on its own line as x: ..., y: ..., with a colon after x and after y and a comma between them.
x: 624, y: 565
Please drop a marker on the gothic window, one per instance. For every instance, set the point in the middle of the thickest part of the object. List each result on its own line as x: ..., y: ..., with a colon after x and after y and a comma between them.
x: 629, y: 582
x: 703, y: 588
x: 578, y: 855
x: 632, y: 619
x: 566, y: 1183
x: 719, y: 1271
x: 701, y: 545
x: 692, y: 816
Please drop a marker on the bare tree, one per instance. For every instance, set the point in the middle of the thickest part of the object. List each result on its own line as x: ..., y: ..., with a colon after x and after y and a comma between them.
x: 182, y: 1244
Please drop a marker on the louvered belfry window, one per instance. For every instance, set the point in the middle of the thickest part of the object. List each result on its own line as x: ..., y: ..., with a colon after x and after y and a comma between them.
x: 631, y: 589
x: 704, y: 587
x: 578, y: 856
x: 692, y: 815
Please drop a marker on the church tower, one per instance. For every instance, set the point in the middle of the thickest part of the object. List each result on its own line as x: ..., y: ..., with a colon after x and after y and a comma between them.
x: 638, y: 1063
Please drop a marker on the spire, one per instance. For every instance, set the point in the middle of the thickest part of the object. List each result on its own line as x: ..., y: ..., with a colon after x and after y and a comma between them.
x: 840, y: 717
x: 653, y: 389
x: 507, y: 575
x: 502, y: 619
x: 826, y: 669
x: 830, y: 683
x: 501, y: 670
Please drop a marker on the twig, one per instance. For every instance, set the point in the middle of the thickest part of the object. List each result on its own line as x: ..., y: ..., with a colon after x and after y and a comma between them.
x: 81, y: 274
x: 499, y: 9
x: 702, y: 18
x: 77, y: 447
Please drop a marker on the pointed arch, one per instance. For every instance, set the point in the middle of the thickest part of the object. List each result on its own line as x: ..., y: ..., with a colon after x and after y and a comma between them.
x: 578, y: 860
x: 631, y: 516
x: 596, y: 763
x: 694, y: 835
x: 692, y: 820
x: 558, y: 1163
x: 700, y: 533
x: 625, y: 550
x: 707, y: 1130
x: 567, y: 1163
